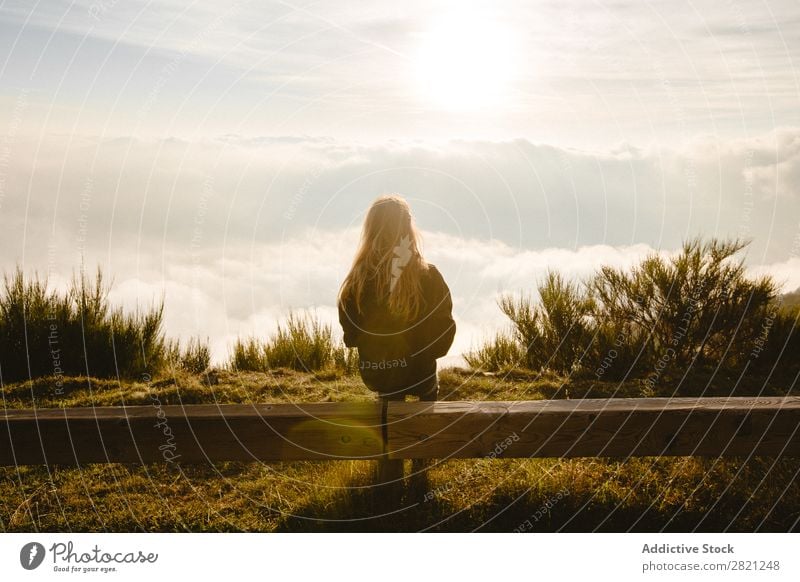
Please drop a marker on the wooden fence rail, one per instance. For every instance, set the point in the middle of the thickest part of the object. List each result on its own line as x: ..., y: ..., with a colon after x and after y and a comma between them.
x: 619, y: 427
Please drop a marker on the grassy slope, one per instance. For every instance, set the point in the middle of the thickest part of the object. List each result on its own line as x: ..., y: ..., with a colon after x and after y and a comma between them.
x: 639, y: 494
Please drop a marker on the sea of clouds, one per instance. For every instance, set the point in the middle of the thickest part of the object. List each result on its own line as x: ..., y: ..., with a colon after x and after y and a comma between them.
x: 233, y: 232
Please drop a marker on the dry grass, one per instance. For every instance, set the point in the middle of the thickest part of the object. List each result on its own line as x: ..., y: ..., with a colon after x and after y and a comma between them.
x: 645, y: 494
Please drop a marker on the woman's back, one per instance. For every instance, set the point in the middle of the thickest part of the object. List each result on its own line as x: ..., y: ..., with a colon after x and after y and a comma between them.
x: 396, y: 353
x: 394, y: 306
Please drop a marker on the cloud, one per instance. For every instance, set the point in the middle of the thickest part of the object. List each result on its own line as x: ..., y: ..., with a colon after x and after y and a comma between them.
x: 109, y: 154
x: 785, y: 273
x: 586, y: 74
x: 776, y: 169
x: 249, y: 290
x: 238, y: 189
x: 236, y: 231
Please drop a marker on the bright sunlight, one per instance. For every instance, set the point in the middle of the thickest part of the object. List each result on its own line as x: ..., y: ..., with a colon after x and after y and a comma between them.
x: 465, y: 63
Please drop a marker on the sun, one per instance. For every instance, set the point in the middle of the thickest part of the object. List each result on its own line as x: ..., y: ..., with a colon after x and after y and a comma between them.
x: 464, y: 63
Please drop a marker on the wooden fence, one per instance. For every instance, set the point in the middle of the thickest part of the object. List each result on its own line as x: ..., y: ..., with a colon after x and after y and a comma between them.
x: 619, y: 427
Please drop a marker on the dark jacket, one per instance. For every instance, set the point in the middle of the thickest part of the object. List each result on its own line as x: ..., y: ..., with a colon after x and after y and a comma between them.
x: 396, y: 355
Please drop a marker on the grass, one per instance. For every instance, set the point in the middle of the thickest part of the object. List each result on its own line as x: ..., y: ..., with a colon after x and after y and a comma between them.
x: 76, y: 331
x: 302, y: 342
x: 643, y: 494
x: 499, y: 352
x: 194, y: 357
x: 499, y: 495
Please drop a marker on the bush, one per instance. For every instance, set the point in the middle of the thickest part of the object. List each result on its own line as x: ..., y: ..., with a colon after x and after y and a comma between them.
x: 775, y: 351
x: 75, y: 333
x: 195, y: 358
x: 502, y: 352
x: 791, y: 301
x: 248, y: 355
x: 301, y: 343
x: 616, y: 352
x: 695, y: 311
x: 345, y: 359
x: 554, y: 333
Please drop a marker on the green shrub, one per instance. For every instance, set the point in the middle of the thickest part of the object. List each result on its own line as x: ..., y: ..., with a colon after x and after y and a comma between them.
x: 44, y: 333
x: 790, y: 301
x: 194, y: 358
x: 617, y: 352
x: 301, y: 343
x: 248, y: 355
x: 345, y: 359
x: 555, y: 332
x: 661, y: 320
x: 775, y: 351
x: 501, y: 352
x: 696, y: 309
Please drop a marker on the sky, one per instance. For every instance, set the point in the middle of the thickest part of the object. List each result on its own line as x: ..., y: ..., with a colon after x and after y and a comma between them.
x: 222, y: 155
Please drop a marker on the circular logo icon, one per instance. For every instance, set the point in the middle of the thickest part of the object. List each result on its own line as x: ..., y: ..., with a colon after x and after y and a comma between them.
x: 31, y: 555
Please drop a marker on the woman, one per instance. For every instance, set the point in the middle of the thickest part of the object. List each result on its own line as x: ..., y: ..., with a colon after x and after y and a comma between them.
x: 396, y: 309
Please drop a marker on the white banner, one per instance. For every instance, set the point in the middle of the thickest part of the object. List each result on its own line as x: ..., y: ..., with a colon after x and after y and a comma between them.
x: 389, y: 557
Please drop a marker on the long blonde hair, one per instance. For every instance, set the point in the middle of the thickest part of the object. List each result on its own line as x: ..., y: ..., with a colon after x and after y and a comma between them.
x: 388, y: 253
